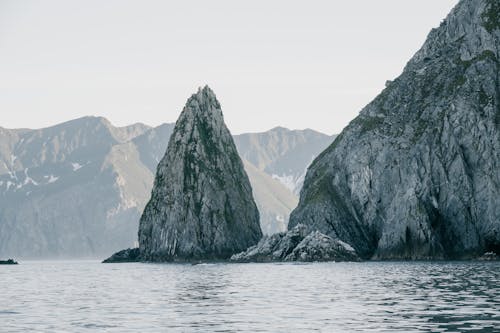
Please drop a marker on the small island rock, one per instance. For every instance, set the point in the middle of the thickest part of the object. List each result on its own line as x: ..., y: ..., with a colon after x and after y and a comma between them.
x: 128, y: 255
x: 8, y: 262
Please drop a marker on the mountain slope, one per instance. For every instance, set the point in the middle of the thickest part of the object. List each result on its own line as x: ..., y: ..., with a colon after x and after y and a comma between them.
x: 60, y: 193
x: 417, y: 173
x: 282, y: 153
x: 274, y: 200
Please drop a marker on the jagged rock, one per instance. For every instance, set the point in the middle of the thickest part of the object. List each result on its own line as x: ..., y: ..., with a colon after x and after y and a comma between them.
x: 8, y: 262
x: 127, y: 255
x: 489, y: 256
x: 417, y: 174
x: 298, y: 244
x: 273, y: 248
x: 201, y: 205
x: 320, y: 247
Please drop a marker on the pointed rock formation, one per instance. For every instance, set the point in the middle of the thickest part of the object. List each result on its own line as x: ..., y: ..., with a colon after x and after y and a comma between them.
x: 417, y: 174
x: 201, y: 204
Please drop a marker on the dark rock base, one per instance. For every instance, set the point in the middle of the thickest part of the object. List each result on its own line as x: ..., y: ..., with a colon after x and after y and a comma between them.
x: 128, y: 255
x: 489, y: 256
x: 8, y: 262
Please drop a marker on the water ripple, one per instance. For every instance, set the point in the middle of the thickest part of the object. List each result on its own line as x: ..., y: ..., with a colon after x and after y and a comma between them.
x: 83, y: 296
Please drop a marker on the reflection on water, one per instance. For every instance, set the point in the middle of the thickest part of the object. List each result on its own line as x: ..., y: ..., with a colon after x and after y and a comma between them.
x: 323, y: 297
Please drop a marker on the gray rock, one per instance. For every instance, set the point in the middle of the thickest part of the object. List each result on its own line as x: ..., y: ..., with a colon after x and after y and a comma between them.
x: 127, y: 255
x: 320, y: 247
x: 8, y: 262
x: 417, y: 174
x: 298, y: 244
x: 273, y: 248
x: 489, y: 256
x: 201, y: 205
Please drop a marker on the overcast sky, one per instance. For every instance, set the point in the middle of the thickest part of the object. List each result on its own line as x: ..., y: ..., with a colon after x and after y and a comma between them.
x: 298, y: 64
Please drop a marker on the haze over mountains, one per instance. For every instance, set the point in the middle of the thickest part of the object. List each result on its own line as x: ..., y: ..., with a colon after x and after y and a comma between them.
x: 77, y: 189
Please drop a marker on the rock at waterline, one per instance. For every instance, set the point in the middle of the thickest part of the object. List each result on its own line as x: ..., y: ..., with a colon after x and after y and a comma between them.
x: 298, y: 244
x: 128, y: 255
x: 8, y: 262
x: 320, y: 247
x: 489, y: 256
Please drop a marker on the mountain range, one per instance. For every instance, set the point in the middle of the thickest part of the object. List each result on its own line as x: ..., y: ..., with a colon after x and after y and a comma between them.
x: 77, y: 189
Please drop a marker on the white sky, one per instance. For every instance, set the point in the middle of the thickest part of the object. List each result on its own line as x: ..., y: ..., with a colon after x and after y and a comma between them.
x: 298, y: 64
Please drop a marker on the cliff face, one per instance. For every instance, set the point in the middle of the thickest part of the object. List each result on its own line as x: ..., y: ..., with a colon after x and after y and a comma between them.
x: 201, y: 205
x: 417, y: 174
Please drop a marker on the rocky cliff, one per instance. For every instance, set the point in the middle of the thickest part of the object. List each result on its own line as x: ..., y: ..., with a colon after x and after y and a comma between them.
x: 297, y: 244
x: 201, y: 205
x: 417, y: 174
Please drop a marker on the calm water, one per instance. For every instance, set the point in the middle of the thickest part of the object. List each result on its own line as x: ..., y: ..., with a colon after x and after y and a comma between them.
x: 84, y: 296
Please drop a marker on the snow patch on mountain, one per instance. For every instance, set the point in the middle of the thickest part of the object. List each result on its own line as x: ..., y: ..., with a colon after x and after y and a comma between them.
x: 28, y: 179
x: 76, y: 166
x: 288, y: 180
x: 51, y: 179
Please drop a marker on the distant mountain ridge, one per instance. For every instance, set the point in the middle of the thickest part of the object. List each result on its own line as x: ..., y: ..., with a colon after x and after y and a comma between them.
x: 282, y: 153
x: 77, y: 189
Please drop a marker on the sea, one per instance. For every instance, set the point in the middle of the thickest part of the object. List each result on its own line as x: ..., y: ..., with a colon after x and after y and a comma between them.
x: 87, y: 296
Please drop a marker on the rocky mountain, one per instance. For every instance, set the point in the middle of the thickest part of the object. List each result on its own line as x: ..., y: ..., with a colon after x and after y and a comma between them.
x: 70, y: 190
x: 201, y: 205
x: 282, y: 153
x: 50, y: 177
x: 417, y: 174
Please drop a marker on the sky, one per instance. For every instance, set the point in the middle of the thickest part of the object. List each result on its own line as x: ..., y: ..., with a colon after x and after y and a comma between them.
x: 298, y: 64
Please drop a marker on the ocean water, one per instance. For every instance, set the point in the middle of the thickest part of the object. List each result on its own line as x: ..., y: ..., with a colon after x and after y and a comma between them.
x: 86, y: 296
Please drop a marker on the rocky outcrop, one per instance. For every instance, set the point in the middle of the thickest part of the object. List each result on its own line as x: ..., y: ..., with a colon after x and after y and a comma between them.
x: 8, y: 262
x: 127, y: 255
x: 489, y: 256
x: 201, y: 205
x: 320, y: 247
x: 298, y: 244
x: 417, y: 174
